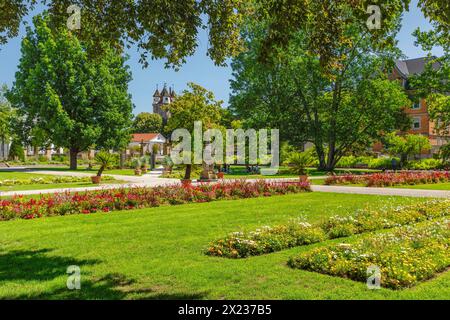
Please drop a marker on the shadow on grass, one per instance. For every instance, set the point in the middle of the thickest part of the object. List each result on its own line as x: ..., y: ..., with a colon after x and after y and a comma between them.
x: 21, y: 266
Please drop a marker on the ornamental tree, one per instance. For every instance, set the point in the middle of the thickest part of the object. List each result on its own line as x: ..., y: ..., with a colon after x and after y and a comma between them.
x: 194, y: 104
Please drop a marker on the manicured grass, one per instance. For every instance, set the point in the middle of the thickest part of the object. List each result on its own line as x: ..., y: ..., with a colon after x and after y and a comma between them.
x: 435, y: 186
x: 11, y: 175
x: 158, y: 253
x: 54, y: 186
x: 82, y: 169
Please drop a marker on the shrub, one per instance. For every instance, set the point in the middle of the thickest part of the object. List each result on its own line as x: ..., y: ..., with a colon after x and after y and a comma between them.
x: 59, y: 204
x: 298, y: 233
x: 382, y: 163
x: 298, y: 161
x: 425, y: 164
x: 405, y: 256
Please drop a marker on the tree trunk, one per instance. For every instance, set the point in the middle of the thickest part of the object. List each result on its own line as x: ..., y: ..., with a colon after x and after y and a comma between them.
x: 73, y: 158
x: 122, y: 160
x: 187, y: 174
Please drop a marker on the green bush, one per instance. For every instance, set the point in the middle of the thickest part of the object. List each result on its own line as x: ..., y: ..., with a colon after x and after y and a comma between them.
x: 382, y: 163
x: 425, y: 164
x: 16, y: 150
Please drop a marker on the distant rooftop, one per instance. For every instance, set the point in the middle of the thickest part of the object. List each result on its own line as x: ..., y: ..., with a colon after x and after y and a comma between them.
x: 411, y: 67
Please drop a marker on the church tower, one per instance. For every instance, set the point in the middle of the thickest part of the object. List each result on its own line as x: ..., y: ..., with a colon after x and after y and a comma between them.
x: 161, y: 99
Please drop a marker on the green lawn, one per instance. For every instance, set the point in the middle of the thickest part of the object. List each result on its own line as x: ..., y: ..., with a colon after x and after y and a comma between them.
x: 83, y: 169
x: 434, y: 186
x: 157, y: 253
x: 54, y: 186
x: 9, y: 175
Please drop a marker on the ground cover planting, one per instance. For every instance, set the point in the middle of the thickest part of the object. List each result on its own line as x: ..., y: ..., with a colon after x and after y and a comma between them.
x: 49, y: 180
x: 60, y: 204
x: 391, y: 179
x: 299, y: 232
x: 404, y: 256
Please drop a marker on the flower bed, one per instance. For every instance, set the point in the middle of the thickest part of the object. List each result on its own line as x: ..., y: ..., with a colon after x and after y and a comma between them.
x: 298, y: 233
x: 266, y: 240
x: 391, y: 179
x: 404, y: 256
x: 49, y: 180
x: 60, y: 204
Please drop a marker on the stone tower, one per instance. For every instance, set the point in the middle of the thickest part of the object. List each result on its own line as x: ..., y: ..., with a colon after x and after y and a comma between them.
x: 161, y: 99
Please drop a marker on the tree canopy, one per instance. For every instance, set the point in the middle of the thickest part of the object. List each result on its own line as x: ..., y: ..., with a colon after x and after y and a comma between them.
x: 335, y: 108
x: 193, y: 105
x: 169, y: 29
x: 146, y: 122
x: 67, y: 99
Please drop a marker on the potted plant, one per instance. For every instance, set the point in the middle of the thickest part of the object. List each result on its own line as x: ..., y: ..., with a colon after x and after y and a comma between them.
x: 167, y: 164
x: 137, y: 166
x: 144, y: 164
x: 298, y: 162
x: 104, y: 159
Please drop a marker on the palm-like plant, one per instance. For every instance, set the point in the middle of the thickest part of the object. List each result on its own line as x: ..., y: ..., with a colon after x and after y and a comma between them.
x: 298, y: 161
x: 105, y: 159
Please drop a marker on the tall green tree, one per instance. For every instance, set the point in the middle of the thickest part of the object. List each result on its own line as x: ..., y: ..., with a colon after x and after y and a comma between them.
x: 76, y: 103
x: 410, y: 145
x: 434, y: 83
x: 6, y: 118
x: 194, y: 104
x: 350, y: 102
x: 146, y: 122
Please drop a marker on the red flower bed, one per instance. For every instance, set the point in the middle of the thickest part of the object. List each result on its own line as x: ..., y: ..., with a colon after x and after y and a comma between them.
x: 344, y: 179
x: 391, y: 179
x: 406, y: 178
x: 60, y: 204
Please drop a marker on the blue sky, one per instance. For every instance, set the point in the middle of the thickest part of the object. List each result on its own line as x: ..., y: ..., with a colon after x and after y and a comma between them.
x: 199, y: 68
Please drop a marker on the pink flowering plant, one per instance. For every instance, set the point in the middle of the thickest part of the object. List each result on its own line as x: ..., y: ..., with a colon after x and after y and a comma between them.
x: 107, y: 200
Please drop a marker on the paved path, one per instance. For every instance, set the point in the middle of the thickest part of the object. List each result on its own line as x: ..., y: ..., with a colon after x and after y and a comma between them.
x: 153, y: 179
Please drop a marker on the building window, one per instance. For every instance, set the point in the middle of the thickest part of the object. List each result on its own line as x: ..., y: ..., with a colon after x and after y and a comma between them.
x: 416, y: 105
x: 416, y: 124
